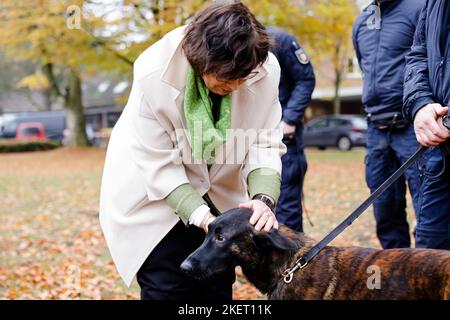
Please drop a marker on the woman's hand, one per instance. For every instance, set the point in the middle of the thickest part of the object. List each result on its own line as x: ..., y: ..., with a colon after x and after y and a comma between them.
x: 206, y: 221
x: 262, y: 217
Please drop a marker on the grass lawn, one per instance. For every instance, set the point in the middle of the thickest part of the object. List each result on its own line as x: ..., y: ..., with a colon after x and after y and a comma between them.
x: 51, y: 245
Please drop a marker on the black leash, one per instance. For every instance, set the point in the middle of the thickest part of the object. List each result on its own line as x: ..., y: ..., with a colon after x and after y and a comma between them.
x: 305, y: 259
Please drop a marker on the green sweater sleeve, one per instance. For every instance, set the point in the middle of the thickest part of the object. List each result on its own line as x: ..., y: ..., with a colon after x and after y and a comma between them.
x: 184, y: 200
x: 266, y: 181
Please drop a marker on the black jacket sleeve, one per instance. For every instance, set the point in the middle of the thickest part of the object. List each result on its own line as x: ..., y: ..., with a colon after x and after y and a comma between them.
x: 304, y: 81
x: 416, y: 91
x: 356, y: 27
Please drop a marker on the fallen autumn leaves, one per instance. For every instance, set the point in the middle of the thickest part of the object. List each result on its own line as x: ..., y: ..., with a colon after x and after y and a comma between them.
x: 51, y: 245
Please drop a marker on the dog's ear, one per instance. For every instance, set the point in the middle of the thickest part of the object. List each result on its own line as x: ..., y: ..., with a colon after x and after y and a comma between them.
x: 273, y: 240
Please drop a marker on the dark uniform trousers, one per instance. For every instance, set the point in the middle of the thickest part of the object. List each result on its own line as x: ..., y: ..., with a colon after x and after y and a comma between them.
x: 161, y: 278
x: 289, y: 207
x: 433, y: 218
x: 297, y: 82
x: 427, y: 80
x: 386, y: 152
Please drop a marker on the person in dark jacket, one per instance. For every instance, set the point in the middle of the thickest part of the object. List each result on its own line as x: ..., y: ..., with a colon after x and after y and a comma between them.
x: 426, y: 101
x: 382, y: 36
x: 297, y: 82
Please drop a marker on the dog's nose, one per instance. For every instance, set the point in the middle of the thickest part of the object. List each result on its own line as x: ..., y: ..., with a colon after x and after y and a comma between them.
x: 186, y: 266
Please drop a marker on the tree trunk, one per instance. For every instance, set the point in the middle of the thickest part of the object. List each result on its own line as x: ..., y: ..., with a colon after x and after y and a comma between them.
x: 47, y: 97
x: 337, y: 97
x: 74, y: 109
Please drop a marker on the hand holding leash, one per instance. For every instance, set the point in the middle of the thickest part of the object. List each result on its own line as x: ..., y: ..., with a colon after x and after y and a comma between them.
x: 446, y: 122
x: 429, y: 128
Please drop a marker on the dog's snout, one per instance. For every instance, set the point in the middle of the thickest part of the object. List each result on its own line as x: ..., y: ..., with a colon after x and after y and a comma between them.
x: 187, y: 266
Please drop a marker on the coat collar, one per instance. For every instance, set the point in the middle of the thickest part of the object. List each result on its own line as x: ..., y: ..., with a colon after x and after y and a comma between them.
x: 176, y: 71
x: 175, y: 75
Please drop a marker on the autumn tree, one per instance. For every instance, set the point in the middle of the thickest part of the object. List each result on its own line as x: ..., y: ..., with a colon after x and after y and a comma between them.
x: 327, y: 27
x: 36, y: 31
x: 282, y: 13
x: 70, y: 40
x: 324, y: 27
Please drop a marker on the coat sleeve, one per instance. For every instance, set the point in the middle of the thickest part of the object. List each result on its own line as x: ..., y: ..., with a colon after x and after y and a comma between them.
x: 355, y: 31
x: 154, y: 151
x: 304, y: 81
x: 417, y: 92
x: 267, y: 149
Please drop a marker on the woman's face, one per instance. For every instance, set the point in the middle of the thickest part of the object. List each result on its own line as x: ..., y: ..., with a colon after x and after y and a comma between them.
x: 221, y: 87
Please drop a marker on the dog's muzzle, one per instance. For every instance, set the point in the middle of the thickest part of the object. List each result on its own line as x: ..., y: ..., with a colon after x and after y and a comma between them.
x: 187, y: 267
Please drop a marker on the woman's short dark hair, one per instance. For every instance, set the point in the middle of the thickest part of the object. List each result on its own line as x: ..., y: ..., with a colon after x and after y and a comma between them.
x: 225, y: 39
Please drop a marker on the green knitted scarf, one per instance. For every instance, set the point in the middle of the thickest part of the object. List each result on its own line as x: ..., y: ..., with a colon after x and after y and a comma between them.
x: 205, y: 135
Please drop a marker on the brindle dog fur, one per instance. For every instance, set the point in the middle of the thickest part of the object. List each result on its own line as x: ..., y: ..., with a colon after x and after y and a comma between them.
x: 336, y: 273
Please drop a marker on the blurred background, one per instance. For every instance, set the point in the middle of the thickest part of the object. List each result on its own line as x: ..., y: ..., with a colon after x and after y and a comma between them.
x: 65, y: 76
x: 68, y: 64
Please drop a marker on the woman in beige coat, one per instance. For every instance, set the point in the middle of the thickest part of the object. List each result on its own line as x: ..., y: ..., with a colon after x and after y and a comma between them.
x: 199, y: 135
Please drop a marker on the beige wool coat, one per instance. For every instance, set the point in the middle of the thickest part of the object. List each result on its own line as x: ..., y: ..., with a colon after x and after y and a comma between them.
x: 149, y: 152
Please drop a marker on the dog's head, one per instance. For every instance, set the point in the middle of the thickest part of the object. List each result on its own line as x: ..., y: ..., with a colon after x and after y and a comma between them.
x: 233, y: 241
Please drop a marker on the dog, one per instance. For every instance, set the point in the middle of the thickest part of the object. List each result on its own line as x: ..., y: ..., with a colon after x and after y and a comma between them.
x: 336, y: 273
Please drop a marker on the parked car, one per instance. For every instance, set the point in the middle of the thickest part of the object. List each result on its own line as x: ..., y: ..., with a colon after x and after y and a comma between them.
x: 341, y: 131
x: 54, y: 123
x: 27, y: 131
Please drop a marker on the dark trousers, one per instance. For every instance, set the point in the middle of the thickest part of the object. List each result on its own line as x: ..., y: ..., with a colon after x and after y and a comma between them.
x: 161, y: 278
x: 386, y: 152
x: 289, y: 207
x: 433, y: 218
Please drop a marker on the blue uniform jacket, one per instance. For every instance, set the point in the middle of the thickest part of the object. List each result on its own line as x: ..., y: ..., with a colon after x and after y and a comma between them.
x: 297, y: 80
x: 427, y: 77
x: 381, y: 46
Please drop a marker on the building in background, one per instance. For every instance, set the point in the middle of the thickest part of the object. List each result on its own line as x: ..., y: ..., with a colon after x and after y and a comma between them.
x: 103, y: 92
x: 350, y: 91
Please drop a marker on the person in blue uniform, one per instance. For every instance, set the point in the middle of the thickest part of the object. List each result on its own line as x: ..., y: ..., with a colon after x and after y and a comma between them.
x: 426, y: 101
x: 297, y: 84
x: 382, y: 35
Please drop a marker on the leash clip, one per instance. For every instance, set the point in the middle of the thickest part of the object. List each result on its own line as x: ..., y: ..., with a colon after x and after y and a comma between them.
x: 446, y: 122
x: 288, y: 274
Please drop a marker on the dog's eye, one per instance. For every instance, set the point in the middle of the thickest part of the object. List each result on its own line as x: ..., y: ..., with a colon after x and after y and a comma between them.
x: 219, y: 237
